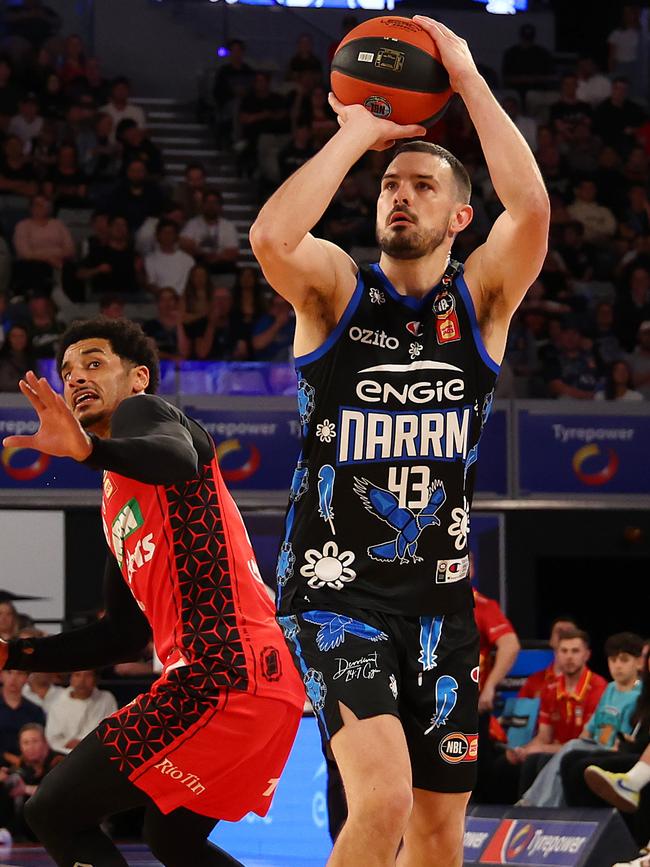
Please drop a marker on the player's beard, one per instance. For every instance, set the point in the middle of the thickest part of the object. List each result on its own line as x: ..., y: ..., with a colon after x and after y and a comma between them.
x: 410, y: 243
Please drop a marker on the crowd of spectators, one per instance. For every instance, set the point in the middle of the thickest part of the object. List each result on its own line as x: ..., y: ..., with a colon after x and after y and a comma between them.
x: 88, y: 213
x: 44, y: 716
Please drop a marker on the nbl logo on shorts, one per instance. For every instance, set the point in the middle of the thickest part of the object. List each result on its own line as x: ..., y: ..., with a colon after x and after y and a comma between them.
x: 456, y: 748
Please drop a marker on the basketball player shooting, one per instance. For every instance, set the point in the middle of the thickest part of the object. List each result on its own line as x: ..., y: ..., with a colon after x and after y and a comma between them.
x: 210, y: 738
x: 396, y: 371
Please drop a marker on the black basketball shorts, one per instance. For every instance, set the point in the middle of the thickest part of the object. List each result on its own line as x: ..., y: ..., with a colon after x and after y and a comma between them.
x: 423, y: 670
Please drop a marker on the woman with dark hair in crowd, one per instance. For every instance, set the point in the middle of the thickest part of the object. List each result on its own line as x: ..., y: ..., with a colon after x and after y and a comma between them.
x: 312, y: 109
x: 629, y: 749
x: 617, y: 383
x: 248, y: 295
x: 195, y: 300
x: 17, y: 356
x: 66, y: 184
x: 53, y: 100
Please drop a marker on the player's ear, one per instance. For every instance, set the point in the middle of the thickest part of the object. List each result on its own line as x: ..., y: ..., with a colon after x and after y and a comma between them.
x: 140, y: 379
x: 461, y: 218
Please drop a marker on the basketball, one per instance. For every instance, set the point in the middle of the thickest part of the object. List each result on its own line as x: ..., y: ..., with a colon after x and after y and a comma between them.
x: 392, y: 67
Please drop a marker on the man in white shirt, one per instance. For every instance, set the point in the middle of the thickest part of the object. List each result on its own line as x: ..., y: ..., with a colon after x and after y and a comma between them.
x: 211, y: 239
x: 593, y: 86
x: 599, y: 222
x: 28, y: 123
x: 41, y: 690
x: 77, y: 711
x: 168, y: 266
x: 119, y: 107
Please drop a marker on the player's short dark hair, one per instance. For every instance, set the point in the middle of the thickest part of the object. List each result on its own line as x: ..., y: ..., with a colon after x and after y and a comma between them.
x: 570, y: 634
x: 463, y: 182
x: 166, y: 224
x: 127, y: 340
x: 623, y: 642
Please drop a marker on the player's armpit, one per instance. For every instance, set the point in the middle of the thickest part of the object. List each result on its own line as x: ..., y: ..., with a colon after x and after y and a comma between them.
x: 314, y: 264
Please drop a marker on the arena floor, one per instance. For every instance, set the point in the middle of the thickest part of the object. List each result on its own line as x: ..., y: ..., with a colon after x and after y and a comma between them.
x: 136, y: 855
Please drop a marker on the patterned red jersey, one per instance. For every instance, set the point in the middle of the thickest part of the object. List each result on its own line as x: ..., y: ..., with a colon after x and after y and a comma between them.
x: 184, y: 551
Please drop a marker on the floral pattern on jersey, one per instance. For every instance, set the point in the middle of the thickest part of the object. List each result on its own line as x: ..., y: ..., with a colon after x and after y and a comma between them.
x: 328, y: 568
x: 459, y: 528
x: 376, y: 296
x: 326, y: 431
x: 415, y: 349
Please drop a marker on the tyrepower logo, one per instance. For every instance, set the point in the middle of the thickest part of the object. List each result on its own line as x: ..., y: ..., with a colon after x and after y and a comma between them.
x: 456, y: 748
x: 533, y: 842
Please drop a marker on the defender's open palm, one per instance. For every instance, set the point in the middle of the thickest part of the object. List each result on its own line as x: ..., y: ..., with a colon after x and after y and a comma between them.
x: 60, y: 434
x: 381, y: 133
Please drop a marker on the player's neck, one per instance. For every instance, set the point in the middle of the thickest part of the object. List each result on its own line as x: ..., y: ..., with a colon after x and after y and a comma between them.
x: 415, y: 276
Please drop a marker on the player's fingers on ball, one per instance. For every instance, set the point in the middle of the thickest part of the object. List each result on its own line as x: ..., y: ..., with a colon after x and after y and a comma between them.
x: 334, y: 102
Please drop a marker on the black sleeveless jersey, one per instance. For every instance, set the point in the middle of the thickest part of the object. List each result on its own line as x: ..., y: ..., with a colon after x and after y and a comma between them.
x: 392, y: 407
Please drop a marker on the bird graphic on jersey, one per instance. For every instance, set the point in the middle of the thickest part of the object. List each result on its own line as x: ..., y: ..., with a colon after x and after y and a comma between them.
x: 430, y: 635
x: 385, y: 505
x: 446, y: 698
x: 334, y: 628
x: 326, y: 476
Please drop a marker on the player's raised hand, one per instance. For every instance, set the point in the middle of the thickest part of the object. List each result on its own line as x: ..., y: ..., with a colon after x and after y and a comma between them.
x: 60, y: 434
x: 454, y: 51
x: 381, y: 134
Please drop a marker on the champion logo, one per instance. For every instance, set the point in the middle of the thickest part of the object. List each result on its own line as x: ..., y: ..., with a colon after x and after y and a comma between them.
x: 414, y: 328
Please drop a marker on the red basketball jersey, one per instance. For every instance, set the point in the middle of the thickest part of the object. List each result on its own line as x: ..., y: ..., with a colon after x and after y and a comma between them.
x: 186, y: 555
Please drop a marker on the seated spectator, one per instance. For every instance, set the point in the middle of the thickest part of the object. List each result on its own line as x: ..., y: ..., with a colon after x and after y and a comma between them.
x: 73, y: 63
x: 314, y: 111
x: 9, y: 93
x: 640, y: 361
x: 210, y: 238
x: 578, y: 255
x: 167, y: 328
x: 602, y: 730
x: 295, y: 154
x: 617, y: 119
x: 145, y: 237
x: 565, y: 708
x: 584, y: 150
x: 189, y: 193
x: 17, y: 356
x: 43, y: 243
x: 136, y: 145
x: 94, y: 84
x: 348, y: 220
x: 593, y: 86
x: 15, y: 712
x: 262, y: 112
x: 272, y: 334
x: 112, y: 267
x: 17, y: 175
x: 120, y: 108
x: 536, y: 683
x: 53, y: 102
x: 609, y: 180
x: 632, y: 305
x: 618, y: 380
x: 195, y: 302
x: 248, y: 295
x: 77, y: 711
x: 598, y: 221
x: 38, y: 69
x: 99, y: 235
x: 8, y: 620
x: 22, y: 781
x: 168, y: 265
x: 637, y: 215
x: 606, y: 345
x: 527, y: 65
x: 571, y: 371
x: 636, y: 170
x: 100, y: 154
x: 45, y: 328
x: 111, y: 306
x: 27, y: 124
x: 304, y: 67
x: 66, y: 184
x: 221, y: 336
x: 568, y: 111
x: 136, y: 197
x: 625, y: 49
x: 41, y: 688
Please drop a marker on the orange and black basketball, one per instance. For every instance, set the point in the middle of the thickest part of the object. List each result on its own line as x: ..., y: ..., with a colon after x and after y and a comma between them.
x: 392, y: 66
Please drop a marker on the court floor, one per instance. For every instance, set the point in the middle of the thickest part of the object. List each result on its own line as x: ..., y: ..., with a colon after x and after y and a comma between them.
x: 136, y: 855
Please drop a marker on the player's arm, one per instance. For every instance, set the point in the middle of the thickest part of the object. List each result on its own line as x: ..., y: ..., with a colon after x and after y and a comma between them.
x: 295, y: 262
x: 507, y: 649
x: 119, y: 636
x: 501, y: 270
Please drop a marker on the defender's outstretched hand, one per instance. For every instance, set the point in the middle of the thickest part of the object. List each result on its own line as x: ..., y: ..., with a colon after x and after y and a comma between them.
x: 454, y: 51
x: 60, y: 434
x: 384, y: 133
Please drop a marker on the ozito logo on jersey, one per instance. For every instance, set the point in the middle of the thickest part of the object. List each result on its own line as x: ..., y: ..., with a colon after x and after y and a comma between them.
x: 456, y: 748
x: 373, y: 338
